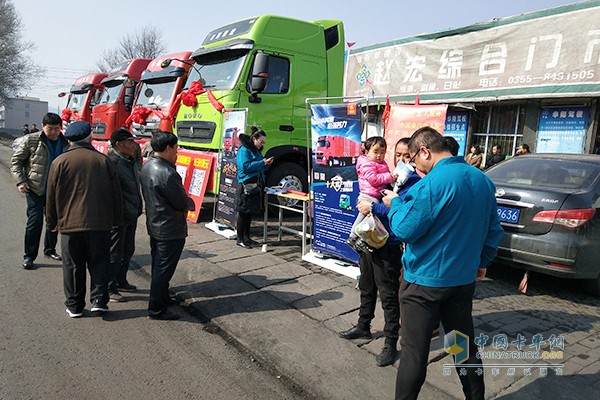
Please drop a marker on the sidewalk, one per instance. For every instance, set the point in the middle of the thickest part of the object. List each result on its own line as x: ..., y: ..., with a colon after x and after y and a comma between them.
x: 287, y: 312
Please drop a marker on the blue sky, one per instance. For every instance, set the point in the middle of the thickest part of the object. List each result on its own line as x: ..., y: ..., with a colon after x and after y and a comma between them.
x: 70, y: 35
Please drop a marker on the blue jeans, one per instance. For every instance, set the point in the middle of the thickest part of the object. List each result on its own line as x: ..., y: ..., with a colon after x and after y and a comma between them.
x: 36, y: 207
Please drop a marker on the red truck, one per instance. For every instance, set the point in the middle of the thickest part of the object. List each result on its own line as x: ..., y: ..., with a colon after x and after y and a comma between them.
x: 336, y: 150
x: 83, y: 95
x: 161, y: 82
x: 231, y: 141
x: 116, y: 101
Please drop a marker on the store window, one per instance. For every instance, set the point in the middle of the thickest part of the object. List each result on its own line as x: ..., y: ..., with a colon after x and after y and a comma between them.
x: 498, y: 125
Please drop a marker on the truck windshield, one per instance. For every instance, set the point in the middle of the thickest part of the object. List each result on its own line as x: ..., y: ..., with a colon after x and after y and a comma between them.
x: 218, y: 74
x: 156, y: 95
x: 111, y: 92
x: 76, y: 101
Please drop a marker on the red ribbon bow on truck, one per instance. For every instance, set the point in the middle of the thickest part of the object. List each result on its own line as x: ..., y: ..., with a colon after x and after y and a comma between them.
x: 189, y: 98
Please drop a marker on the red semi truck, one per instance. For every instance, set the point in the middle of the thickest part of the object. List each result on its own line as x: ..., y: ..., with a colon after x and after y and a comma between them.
x: 83, y: 95
x: 336, y: 150
x: 116, y: 101
x: 161, y: 82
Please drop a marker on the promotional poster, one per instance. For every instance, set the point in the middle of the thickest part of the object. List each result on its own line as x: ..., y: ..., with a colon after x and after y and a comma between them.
x: 234, y: 123
x: 336, y: 143
x: 562, y: 130
x: 456, y: 126
x: 194, y: 168
x: 404, y: 120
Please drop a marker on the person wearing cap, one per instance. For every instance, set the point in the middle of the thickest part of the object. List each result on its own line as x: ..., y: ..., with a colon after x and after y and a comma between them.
x: 122, y: 238
x: 167, y: 204
x: 29, y: 166
x: 83, y: 204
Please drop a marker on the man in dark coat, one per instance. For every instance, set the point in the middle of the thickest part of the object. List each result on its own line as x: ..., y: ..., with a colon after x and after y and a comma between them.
x: 83, y: 203
x: 122, y: 154
x: 167, y: 204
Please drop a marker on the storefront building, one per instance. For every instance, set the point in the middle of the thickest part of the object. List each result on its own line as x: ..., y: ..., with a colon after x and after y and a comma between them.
x: 532, y: 78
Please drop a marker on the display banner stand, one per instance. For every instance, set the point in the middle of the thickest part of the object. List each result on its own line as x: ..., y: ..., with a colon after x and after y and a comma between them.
x: 224, y: 214
x: 334, y: 132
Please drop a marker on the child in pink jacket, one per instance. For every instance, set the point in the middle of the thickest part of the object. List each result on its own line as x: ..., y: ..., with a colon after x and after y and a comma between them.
x: 373, y: 176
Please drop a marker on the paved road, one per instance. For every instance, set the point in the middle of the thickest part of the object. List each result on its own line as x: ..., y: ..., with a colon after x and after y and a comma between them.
x: 283, y: 311
x: 46, y: 355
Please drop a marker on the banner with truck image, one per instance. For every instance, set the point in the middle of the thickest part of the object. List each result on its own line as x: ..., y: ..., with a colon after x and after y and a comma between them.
x: 336, y: 143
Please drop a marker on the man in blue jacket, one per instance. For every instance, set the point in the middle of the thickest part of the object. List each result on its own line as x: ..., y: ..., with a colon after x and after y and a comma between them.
x: 450, y: 225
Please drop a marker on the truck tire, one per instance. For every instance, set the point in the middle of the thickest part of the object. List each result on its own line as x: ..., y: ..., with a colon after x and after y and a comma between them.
x: 288, y: 176
x: 330, y: 162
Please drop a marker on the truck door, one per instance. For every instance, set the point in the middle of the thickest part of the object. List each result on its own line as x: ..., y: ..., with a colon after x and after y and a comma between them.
x: 272, y: 108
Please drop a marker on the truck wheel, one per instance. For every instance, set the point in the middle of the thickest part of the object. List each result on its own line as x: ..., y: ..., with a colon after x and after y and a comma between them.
x: 330, y: 162
x: 287, y: 176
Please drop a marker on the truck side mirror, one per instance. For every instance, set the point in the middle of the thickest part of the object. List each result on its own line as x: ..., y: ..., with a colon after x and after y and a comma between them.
x: 129, y: 96
x: 260, y: 73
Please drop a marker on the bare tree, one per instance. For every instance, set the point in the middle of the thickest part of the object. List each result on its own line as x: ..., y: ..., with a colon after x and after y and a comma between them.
x: 147, y: 43
x: 18, y: 72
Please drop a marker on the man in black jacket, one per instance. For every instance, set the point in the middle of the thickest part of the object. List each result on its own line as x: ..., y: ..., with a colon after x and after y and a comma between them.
x: 167, y: 204
x: 122, y: 154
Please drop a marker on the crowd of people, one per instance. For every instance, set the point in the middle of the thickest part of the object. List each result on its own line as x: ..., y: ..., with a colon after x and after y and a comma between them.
x: 427, y: 270
x: 425, y: 273
x: 93, y: 202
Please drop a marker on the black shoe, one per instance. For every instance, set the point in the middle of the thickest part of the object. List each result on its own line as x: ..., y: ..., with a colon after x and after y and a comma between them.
x: 74, y: 313
x: 355, y: 333
x: 99, y: 306
x: 116, y: 297
x: 54, y: 256
x: 126, y: 287
x: 251, y: 242
x: 244, y: 245
x: 387, y: 356
x: 27, y: 263
x: 164, y: 316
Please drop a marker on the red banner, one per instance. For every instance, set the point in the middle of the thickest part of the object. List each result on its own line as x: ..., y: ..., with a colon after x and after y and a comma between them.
x: 197, y: 172
x: 404, y: 120
x: 101, y: 146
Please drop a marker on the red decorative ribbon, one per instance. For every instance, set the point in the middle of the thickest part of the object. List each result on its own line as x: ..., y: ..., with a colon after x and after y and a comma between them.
x: 189, y: 98
x: 138, y: 115
x: 66, y: 114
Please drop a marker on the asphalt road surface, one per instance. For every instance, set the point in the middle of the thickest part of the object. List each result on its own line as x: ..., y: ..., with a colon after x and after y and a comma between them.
x: 44, y: 354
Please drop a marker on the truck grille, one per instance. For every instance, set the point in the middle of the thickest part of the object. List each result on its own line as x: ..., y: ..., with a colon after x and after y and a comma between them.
x: 196, y: 131
x: 98, y: 129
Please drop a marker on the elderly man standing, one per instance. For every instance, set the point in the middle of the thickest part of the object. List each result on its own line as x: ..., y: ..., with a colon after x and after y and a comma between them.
x: 443, y: 257
x: 167, y: 204
x: 30, y: 164
x: 123, y: 155
x: 83, y: 203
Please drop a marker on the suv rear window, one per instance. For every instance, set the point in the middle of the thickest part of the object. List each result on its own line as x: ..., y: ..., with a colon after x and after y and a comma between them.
x: 540, y: 172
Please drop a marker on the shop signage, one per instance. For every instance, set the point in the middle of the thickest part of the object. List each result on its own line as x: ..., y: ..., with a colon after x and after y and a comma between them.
x: 552, y: 53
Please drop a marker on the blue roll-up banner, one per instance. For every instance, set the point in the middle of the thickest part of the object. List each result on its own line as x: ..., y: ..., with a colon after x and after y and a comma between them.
x: 336, y: 143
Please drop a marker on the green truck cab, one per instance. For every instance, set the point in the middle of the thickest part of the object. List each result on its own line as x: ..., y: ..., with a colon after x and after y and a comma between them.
x: 269, y: 65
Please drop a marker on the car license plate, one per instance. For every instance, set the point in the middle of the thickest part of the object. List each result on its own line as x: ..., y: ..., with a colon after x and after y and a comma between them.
x: 509, y: 215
